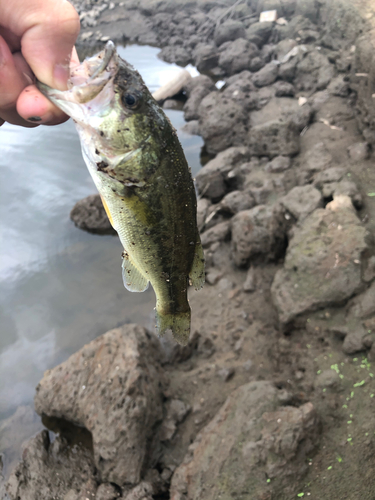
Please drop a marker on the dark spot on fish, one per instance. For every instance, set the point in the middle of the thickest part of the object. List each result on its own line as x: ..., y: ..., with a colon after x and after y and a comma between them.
x: 97, y: 152
x: 101, y: 133
x: 101, y: 166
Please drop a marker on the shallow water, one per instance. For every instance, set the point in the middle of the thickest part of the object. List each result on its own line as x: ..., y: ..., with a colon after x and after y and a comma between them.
x: 60, y: 287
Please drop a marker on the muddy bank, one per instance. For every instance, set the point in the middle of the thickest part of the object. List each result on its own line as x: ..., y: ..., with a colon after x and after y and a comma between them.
x: 274, y: 395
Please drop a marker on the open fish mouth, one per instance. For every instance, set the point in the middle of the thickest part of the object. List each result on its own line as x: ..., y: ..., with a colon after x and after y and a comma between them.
x: 88, y: 83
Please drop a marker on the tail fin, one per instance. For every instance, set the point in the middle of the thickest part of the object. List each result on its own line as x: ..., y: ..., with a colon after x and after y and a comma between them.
x: 178, y: 323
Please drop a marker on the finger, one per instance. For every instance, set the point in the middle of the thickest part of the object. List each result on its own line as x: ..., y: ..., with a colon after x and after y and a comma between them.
x: 48, y: 30
x: 13, y: 78
x: 35, y: 107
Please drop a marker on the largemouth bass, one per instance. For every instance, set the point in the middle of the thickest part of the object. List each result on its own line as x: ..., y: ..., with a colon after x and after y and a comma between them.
x: 138, y: 166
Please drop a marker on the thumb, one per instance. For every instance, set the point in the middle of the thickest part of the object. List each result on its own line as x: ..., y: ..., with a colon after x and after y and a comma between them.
x: 50, y: 31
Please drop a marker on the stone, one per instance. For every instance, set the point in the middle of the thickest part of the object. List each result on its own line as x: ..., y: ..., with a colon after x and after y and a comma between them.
x: 301, y: 201
x: 229, y: 31
x: 220, y: 232
x: 314, y: 71
x: 236, y: 201
x: 284, y: 89
x: 107, y: 491
x: 267, y: 75
x: 256, y: 64
x: 328, y: 379
x: 143, y: 491
x: 202, y: 209
x: 112, y: 388
x: 274, y: 138
x: 256, y: 232
x: 222, y: 122
x: 198, y: 81
x: 278, y: 164
x: 212, y: 179
x: 172, y: 104
x: 191, y: 127
x: 175, y: 54
x: 206, y: 57
x: 52, y: 470
x: 313, y: 161
x: 339, y: 86
x: 307, y: 9
x: 176, y: 412
x: 355, y: 340
x: 364, y: 306
x: 89, y: 214
x: 359, y: 151
x: 259, y: 31
x: 191, y: 106
x: 226, y: 373
x: 237, y: 56
x: 321, y: 265
x: 328, y: 176
x: 284, y: 47
x: 349, y: 188
x: 15, y: 430
x: 261, y: 438
x: 250, y: 283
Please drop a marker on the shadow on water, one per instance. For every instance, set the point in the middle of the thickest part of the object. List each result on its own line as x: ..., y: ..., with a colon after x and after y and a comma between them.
x: 60, y: 287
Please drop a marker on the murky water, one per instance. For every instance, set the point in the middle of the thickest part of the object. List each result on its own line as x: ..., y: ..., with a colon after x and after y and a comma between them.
x: 60, y: 287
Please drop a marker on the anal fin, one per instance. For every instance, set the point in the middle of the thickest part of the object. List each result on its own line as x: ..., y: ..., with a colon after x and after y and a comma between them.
x: 133, y: 280
x: 196, y: 274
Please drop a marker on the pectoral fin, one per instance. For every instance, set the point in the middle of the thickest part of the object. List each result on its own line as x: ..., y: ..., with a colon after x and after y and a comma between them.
x: 196, y: 274
x: 133, y: 280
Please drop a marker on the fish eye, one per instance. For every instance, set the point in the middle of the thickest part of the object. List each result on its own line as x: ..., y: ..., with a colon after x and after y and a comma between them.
x: 130, y: 100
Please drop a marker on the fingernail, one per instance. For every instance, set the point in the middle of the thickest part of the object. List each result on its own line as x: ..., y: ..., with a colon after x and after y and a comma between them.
x: 34, y: 119
x: 60, y: 76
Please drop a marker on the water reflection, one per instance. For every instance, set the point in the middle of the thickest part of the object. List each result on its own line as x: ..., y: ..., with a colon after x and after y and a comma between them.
x: 60, y: 287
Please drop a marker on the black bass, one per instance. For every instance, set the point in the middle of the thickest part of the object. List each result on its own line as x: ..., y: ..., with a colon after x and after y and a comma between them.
x: 138, y: 166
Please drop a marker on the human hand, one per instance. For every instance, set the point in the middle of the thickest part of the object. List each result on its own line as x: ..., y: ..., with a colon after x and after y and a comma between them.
x: 36, y: 38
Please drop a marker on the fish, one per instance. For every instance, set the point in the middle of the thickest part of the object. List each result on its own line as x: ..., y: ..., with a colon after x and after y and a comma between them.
x: 138, y: 166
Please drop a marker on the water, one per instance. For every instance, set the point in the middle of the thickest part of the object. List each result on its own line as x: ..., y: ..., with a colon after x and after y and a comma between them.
x: 60, y: 287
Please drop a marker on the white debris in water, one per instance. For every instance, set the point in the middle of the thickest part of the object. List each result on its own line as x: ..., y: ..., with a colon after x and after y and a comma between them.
x: 268, y: 16
x: 219, y: 84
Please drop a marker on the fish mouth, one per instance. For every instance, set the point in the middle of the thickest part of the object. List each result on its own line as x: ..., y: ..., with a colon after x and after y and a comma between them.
x: 87, y: 84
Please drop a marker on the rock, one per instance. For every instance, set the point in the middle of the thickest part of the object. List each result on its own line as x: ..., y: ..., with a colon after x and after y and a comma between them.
x: 202, y: 210
x: 222, y: 122
x: 313, y: 161
x: 359, y: 151
x: 328, y: 176
x: 284, y: 89
x: 259, y: 33
x: 15, y: 430
x: 250, y: 281
x: 301, y: 201
x: 274, y: 138
x: 89, y: 214
x: 284, y: 47
x: 369, y: 272
x: 206, y: 57
x: 220, y: 232
x: 261, y: 442
x: 236, y: 201
x: 107, y: 491
x: 241, y: 89
x: 261, y: 186
x: 340, y: 202
x: 364, y: 306
x: 52, y: 470
x: 198, y: 81
x: 191, y: 128
x: 226, y: 374
x: 314, y: 71
x: 172, y: 104
x: 278, y: 164
x: 339, y: 87
x: 308, y: 9
x: 255, y: 232
x: 191, y: 107
x: 237, y: 56
x: 256, y: 64
x: 328, y: 379
x: 355, y: 341
x: 320, y: 266
x: 111, y: 387
x: 143, y: 491
x: 287, y: 71
x: 212, y: 179
x: 267, y: 75
x: 349, y: 188
x: 175, y: 54
x: 176, y: 412
x: 229, y: 31
x: 213, y: 276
